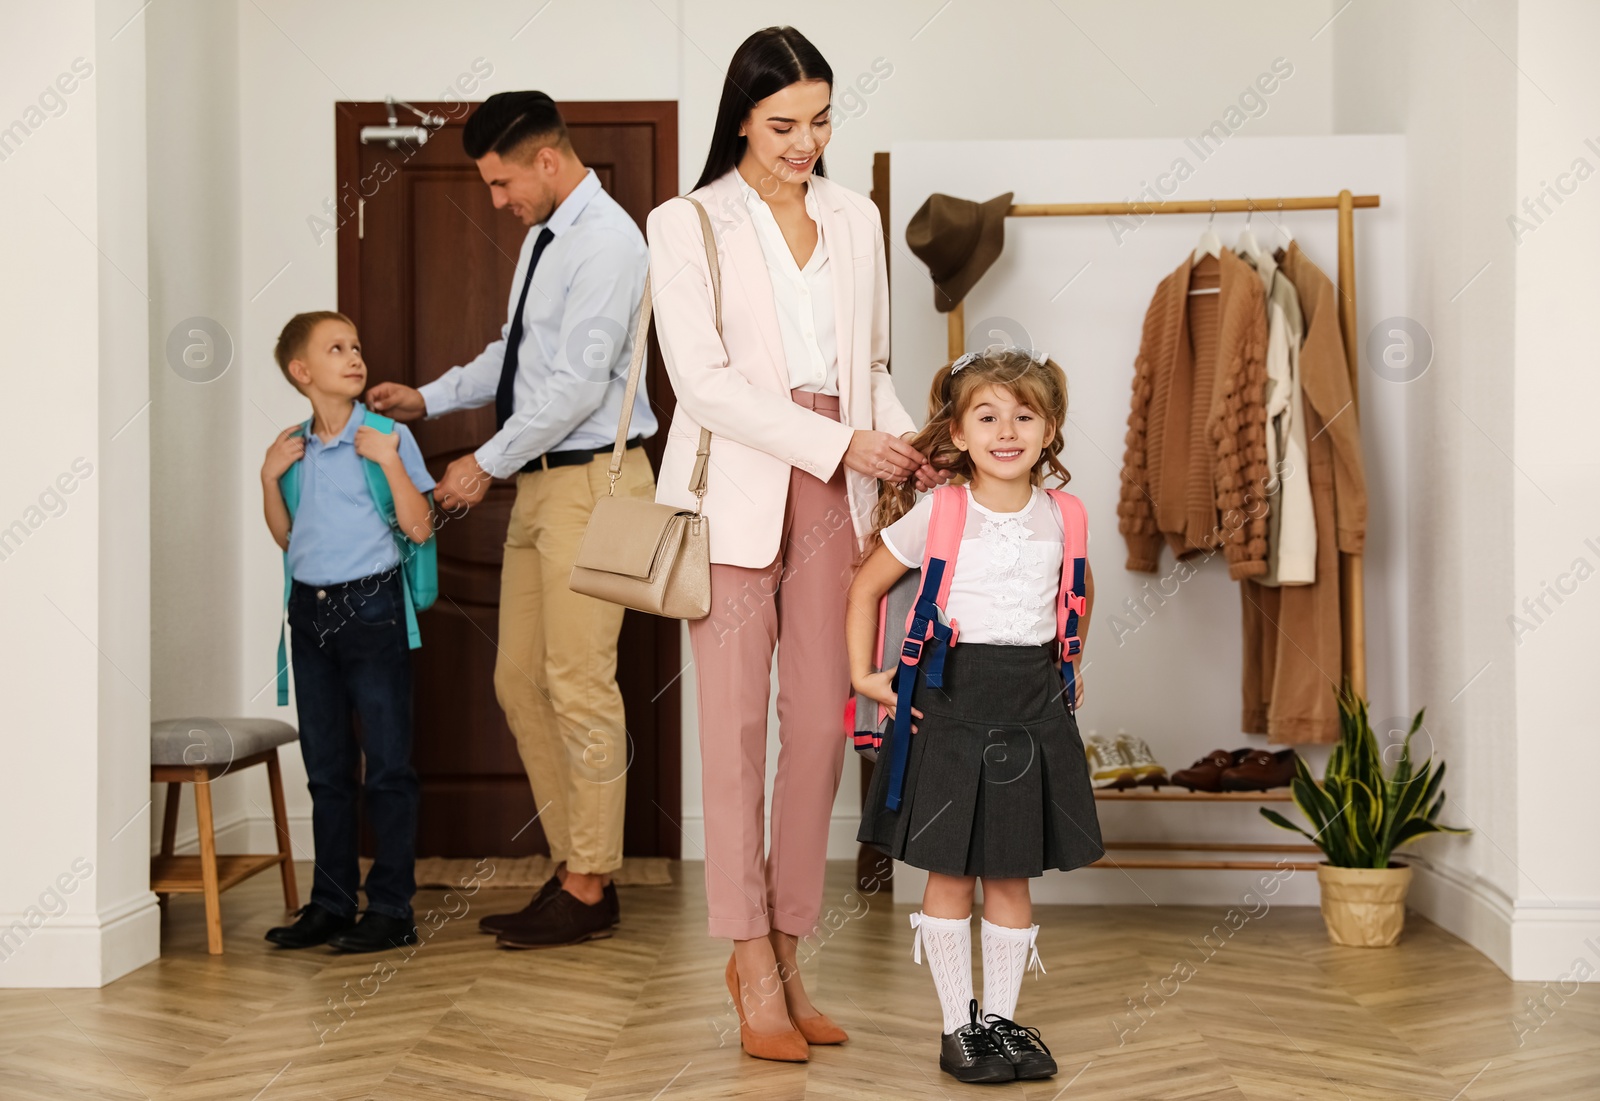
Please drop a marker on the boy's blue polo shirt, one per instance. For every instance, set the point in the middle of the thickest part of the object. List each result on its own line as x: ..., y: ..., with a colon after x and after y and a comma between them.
x: 337, y: 534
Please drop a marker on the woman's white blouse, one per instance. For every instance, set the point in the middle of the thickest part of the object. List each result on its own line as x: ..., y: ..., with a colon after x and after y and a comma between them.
x: 803, y: 298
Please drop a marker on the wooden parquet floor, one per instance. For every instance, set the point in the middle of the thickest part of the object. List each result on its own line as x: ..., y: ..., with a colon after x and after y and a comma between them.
x: 1268, y: 1012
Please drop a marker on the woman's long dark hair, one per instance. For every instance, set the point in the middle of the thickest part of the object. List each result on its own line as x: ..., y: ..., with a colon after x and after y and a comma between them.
x: 768, y: 61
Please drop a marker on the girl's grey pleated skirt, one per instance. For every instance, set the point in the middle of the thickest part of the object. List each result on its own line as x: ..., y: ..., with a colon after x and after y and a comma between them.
x: 996, y: 783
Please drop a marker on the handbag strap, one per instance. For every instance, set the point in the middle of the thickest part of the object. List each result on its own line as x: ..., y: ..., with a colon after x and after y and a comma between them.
x: 641, y: 344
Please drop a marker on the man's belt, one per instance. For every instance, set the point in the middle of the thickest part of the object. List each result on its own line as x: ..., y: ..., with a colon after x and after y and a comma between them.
x: 575, y: 457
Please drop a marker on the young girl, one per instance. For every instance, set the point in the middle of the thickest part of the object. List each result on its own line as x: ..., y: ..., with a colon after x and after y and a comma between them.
x: 996, y: 786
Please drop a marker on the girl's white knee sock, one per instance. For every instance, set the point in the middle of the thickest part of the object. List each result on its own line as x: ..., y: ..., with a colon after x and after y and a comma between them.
x: 949, y: 944
x: 1005, y: 958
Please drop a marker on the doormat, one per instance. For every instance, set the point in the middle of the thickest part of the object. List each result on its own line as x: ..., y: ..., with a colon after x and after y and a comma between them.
x: 528, y: 872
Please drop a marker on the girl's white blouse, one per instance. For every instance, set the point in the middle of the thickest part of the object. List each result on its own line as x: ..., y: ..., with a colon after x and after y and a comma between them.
x: 1008, y: 572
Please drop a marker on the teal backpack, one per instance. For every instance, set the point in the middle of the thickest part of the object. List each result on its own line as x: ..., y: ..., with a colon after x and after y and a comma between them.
x: 419, y: 563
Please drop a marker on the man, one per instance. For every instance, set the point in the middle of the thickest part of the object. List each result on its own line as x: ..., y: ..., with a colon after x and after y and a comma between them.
x: 556, y: 376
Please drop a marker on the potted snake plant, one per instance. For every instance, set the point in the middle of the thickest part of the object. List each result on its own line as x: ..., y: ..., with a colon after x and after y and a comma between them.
x: 1359, y: 817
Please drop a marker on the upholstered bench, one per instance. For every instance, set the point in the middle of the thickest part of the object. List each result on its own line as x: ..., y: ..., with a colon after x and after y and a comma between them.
x: 198, y: 751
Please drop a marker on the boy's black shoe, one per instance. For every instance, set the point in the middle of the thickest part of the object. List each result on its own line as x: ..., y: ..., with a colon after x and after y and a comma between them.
x: 565, y: 919
x: 496, y: 924
x: 973, y: 1054
x: 374, y: 933
x: 1023, y: 1046
x: 315, y: 926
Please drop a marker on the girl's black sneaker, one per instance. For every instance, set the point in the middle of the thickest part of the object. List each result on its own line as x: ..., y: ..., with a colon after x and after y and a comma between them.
x: 1022, y: 1046
x: 973, y: 1054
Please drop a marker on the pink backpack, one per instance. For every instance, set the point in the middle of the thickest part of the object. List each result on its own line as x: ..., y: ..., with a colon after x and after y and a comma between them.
x: 923, y: 594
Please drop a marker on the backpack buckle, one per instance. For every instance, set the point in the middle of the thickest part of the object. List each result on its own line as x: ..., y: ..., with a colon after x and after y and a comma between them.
x: 1077, y: 602
x: 911, y: 651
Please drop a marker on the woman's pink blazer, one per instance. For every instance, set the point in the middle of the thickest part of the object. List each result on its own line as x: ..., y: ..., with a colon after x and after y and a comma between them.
x: 737, y: 384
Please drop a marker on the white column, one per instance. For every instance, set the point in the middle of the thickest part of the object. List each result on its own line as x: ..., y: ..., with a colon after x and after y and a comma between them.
x: 1556, y: 920
x: 75, y: 905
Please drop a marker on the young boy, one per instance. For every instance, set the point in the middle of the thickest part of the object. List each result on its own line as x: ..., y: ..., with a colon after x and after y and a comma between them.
x: 348, y: 635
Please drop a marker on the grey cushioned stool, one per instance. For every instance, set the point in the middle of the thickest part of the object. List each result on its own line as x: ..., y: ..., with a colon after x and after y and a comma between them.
x: 198, y: 751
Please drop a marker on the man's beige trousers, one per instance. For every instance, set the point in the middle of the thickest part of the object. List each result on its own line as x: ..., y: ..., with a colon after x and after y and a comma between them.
x: 556, y: 673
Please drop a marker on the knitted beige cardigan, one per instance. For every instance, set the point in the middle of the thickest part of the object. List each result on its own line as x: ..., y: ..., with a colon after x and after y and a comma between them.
x: 1194, y: 470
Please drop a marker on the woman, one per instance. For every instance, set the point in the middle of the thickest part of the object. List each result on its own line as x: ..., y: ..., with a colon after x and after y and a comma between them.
x: 803, y: 420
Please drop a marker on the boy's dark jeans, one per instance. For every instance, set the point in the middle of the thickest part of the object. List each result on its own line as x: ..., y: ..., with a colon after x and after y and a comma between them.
x: 350, y: 654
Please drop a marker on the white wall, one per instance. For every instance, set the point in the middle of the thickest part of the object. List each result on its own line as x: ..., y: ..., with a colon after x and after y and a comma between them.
x: 1498, y: 104
x: 199, y: 440
x: 75, y: 908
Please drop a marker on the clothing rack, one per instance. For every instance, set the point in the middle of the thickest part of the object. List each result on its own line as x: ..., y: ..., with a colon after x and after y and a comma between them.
x: 1352, y: 618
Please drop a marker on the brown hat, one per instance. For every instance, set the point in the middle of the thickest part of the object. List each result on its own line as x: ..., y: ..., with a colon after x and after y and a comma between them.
x: 958, y: 239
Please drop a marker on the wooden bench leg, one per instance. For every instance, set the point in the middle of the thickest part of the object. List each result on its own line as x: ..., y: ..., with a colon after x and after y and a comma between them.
x: 280, y: 819
x: 208, y: 860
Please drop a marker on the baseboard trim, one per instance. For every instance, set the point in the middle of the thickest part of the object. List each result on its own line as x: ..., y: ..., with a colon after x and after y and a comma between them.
x: 1477, y: 912
x: 1556, y: 943
x: 80, y: 951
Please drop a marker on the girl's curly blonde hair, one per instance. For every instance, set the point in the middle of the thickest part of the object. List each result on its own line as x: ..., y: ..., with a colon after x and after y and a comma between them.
x: 1042, y: 387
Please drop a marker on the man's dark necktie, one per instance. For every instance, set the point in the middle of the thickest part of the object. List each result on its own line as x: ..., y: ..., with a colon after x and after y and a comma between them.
x: 508, y: 369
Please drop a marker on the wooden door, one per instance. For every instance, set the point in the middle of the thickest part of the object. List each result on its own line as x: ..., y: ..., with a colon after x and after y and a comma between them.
x: 425, y: 269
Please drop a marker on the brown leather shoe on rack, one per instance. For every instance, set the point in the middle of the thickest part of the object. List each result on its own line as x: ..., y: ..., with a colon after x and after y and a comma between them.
x: 785, y: 1047
x: 1260, y: 771
x: 1206, y: 773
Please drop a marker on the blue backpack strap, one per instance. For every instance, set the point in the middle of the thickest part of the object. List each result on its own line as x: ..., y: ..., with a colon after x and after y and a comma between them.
x: 928, y: 623
x: 905, y: 676
x: 1071, y: 644
x: 289, y: 486
x: 383, y: 498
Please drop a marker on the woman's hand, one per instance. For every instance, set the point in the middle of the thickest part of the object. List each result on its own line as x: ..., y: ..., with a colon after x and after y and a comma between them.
x: 927, y: 475
x: 875, y: 686
x: 288, y: 449
x: 883, y: 456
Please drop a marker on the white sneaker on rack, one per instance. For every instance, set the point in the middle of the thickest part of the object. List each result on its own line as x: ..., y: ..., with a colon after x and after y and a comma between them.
x: 1110, y: 765
x: 1147, y: 770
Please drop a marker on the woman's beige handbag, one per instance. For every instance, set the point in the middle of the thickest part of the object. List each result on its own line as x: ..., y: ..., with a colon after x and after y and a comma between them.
x: 651, y: 557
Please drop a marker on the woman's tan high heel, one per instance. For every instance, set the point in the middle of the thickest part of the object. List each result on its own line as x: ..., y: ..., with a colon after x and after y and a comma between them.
x: 788, y: 1047
x: 820, y: 1030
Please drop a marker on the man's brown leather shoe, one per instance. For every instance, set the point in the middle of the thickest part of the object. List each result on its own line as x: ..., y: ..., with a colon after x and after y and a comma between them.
x: 1206, y: 773
x: 495, y: 924
x: 1260, y: 770
x: 565, y: 919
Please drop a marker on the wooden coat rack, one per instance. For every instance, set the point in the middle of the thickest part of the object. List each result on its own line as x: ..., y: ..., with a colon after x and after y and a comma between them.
x: 1352, y: 618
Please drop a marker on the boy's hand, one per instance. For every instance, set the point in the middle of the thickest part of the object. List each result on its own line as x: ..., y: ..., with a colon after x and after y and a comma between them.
x: 382, y: 448
x: 875, y: 686
x: 396, y: 400
x: 288, y: 449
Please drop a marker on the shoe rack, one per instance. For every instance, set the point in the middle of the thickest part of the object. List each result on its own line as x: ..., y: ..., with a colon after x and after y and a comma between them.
x: 1156, y: 795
